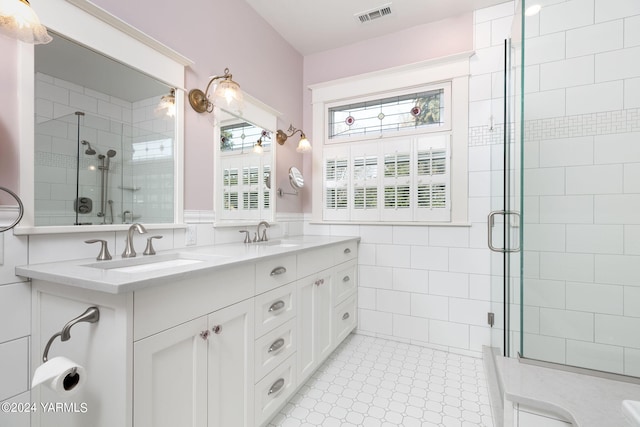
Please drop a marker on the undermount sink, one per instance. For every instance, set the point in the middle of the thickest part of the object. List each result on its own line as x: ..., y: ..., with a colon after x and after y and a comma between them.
x: 281, y: 243
x: 153, y: 262
x: 631, y: 411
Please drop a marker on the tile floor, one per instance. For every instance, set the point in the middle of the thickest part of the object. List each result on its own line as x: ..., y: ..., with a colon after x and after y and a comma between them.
x: 373, y: 382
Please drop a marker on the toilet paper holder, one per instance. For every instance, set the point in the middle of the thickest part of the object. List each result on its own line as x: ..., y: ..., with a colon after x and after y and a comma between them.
x: 91, y: 315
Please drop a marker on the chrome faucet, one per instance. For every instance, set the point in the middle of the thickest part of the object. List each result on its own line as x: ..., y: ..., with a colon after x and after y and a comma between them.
x: 263, y: 237
x: 129, y: 252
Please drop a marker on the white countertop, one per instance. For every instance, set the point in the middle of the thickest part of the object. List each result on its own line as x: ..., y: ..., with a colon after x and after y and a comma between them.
x: 583, y: 400
x: 104, y: 276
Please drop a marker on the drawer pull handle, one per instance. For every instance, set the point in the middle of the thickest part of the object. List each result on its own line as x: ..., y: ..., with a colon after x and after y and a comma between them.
x: 345, y: 316
x: 346, y: 279
x: 278, y: 305
x: 277, y: 345
x: 319, y: 282
x: 276, y: 387
x: 347, y: 251
x: 278, y: 270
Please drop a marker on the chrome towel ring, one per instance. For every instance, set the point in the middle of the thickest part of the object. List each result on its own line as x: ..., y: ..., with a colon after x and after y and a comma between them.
x: 20, y: 207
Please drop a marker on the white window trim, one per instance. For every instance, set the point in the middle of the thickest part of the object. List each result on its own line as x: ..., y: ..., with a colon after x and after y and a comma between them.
x: 454, y: 69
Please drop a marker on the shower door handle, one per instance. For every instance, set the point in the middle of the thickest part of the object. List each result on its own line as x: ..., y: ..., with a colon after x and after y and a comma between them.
x: 490, y: 224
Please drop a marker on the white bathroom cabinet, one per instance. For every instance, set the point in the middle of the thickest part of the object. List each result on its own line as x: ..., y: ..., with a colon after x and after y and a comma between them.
x: 218, y: 349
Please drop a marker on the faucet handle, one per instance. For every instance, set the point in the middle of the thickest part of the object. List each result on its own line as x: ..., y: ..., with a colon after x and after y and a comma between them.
x: 247, y: 238
x: 149, y: 249
x: 104, y: 254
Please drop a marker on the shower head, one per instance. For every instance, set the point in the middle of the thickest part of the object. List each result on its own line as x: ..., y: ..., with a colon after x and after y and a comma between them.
x: 111, y: 153
x: 90, y: 151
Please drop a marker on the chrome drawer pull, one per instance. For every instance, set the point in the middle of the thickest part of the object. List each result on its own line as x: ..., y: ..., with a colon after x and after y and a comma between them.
x: 276, y: 387
x: 345, y: 316
x: 347, y: 251
x: 278, y: 270
x: 277, y: 345
x: 278, y: 305
x: 346, y: 279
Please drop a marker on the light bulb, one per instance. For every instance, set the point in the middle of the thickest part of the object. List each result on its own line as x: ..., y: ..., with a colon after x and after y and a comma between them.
x: 304, y: 146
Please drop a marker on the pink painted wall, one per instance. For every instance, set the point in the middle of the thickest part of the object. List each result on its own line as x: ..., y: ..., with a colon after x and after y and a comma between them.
x: 415, y: 44
x: 215, y: 35
x: 9, y: 148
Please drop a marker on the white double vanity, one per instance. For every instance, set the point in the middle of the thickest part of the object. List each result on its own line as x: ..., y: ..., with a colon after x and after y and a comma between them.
x: 207, y: 336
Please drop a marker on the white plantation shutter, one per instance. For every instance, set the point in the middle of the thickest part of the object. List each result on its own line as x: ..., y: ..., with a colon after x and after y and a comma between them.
x: 397, y: 180
x: 336, y: 183
x: 245, y: 194
x: 365, y: 182
x: 433, y: 179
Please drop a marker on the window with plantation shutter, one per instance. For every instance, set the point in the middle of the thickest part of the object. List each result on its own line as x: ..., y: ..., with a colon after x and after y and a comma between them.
x: 395, y: 180
x: 391, y: 146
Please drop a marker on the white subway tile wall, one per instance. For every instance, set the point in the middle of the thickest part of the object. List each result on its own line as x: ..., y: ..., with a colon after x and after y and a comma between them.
x: 582, y: 197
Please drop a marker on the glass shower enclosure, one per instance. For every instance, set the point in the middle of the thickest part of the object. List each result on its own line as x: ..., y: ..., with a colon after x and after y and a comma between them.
x: 567, y: 189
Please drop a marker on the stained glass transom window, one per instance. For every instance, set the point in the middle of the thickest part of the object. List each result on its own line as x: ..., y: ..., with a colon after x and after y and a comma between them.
x: 242, y: 137
x: 411, y: 111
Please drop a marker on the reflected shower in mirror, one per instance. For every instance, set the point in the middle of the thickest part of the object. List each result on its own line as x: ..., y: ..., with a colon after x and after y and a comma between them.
x: 104, y: 140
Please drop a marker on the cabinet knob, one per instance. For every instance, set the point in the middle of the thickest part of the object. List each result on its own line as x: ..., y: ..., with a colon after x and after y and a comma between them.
x: 204, y: 335
x: 347, y: 251
x: 278, y: 270
x: 278, y: 305
x: 345, y: 316
x: 346, y: 278
x: 319, y: 282
x: 276, y: 386
x: 277, y: 345
x: 217, y: 329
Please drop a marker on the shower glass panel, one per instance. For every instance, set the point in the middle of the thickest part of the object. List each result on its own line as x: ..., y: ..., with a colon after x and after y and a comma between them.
x: 581, y: 191
x: 91, y: 170
x: 503, y: 223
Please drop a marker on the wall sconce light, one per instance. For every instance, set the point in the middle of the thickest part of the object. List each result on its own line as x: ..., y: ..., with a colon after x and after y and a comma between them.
x: 258, y: 148
x: 19, y: 21
x: 304, y: 146
x: 167, y: 105
x: 226, y: 89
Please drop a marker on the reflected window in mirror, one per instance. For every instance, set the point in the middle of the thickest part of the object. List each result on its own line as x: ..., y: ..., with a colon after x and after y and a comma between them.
x: 246, y: 171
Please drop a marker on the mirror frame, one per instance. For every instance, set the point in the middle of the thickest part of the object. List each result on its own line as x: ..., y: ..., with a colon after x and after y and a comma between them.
x: 91, y: 26
x: 262, y: 115
x: 294, y: 177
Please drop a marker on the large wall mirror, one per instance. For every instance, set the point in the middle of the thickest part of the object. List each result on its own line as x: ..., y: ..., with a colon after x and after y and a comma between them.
x: 105, y: 130
x: 245, y: 164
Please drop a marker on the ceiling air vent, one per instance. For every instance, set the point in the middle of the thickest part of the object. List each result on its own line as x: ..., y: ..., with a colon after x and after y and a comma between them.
x: 374, y: 14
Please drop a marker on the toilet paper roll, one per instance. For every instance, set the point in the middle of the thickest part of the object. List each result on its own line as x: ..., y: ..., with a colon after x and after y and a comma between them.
x: 61, y: 375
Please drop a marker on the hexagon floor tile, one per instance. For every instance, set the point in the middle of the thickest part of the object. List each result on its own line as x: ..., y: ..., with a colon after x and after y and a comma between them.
x: 373, y: 382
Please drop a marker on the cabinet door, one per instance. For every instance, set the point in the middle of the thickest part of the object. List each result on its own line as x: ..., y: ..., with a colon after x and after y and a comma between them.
x: 170, y: 381
x: 315, y: 321
x: 231, y: 366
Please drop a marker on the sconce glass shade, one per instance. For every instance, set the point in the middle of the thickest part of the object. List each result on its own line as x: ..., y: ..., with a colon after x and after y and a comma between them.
x: 226, y: 92
x: 230, y: 94
x: 167, y: 105
x: 304, y: 146
x: 18, y: 20
x: 258, y: 148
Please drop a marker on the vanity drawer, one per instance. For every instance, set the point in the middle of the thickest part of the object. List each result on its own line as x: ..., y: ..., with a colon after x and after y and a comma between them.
x: 345, y: 251
x: 313, y: 261
x: 273, y: 348
x: 345, y: 319
x: 273, y: 391
x: 345, y: 281
x: 157, y: 308
x: 275, y: 272
x: 274, y: 308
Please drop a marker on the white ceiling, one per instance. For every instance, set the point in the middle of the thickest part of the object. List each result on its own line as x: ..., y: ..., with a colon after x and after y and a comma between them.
x: 312, y: 26
x: 74, y: 63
